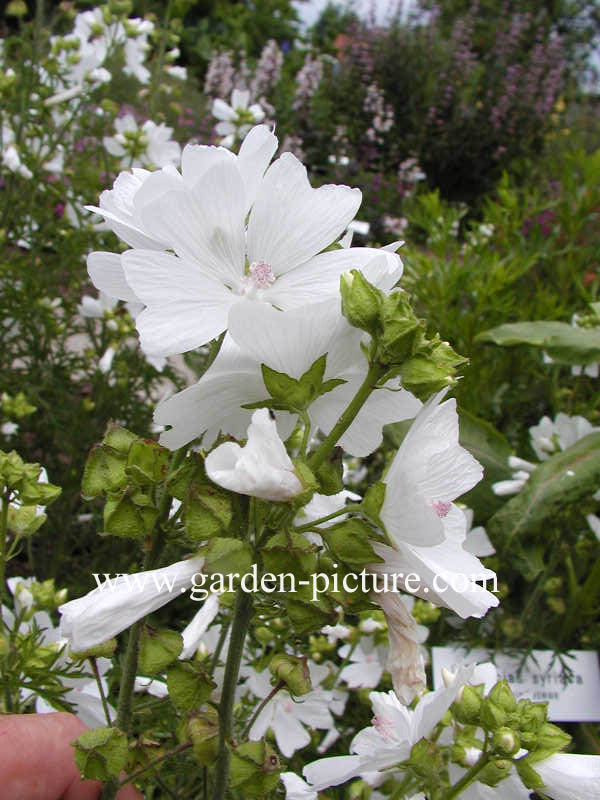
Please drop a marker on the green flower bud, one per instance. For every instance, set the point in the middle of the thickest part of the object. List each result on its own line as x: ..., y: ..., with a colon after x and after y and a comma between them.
x: 467, y: 709
x: 254, y: 769
x: 158, y: 649
x: 506, y: 742
x: 104, y: 650
x: 361, y: 302
x: 101, y: 754
x: 502, y: 696
x: 202, y: 730
x: 492, y: 716
x: 293, y: 671
x: 189, y: 686
x: 531, y: 715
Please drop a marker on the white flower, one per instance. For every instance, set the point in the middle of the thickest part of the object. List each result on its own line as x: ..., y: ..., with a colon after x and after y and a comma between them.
x: 116, y: 604
x: 287, y: 716
x: 189, y: 295
x: 395, y: 730
x: 429, y: 471
x: 288, y: 342
x: 9, y: 429
x: 367, y: 663
x: 519, y: 477
x: 148, y: 145
x: 548, y: 437
x: 179, y: 73
x: 237, y: 118
x: 262, y: 468
x: 424, y: 526
x: 567, y: 776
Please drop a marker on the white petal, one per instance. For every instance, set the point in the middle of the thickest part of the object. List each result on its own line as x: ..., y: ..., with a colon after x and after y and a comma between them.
x: 106, y: 272
x: 262, y: 468
x: 569, y: 776
x: 106, y: 611
x: 206, y: 223
x: 240, y: 98
x: 186, y: 307
x: 256, y: 152
x: 193, y: 632
x: 296, y: 788
x: 291, y: 222
x: 198, y: 158
x: 222, y: 110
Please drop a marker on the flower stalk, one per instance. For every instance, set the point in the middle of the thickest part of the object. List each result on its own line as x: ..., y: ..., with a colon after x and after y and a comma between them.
x: 241, y: 619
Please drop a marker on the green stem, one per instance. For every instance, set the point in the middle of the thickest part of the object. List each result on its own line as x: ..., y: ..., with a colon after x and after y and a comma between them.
x: 222, y: 636
x: 3, y: 532
x: 260, y: 707
x: 375, y: 373
x: 241, y: 619
x: 94, y: 665
x: 468, y: 778
x: 351, y: 508
x: 160, y: 59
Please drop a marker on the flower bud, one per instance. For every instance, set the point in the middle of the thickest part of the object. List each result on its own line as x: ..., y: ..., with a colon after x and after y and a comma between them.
x: 202, y: 730
x: 361, y: 302
x: 502, y: 696
x: 467, y: 709
x: 506, y: 742
x: 492, y: 716
x: 293, y: 671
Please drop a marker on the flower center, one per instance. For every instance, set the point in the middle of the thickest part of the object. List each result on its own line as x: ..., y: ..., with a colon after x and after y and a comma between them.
x: 260, y: 276
x: 441, y: 507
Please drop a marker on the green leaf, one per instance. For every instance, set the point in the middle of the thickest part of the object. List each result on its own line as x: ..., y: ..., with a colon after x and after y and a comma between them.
x: 563, y: 342
x: 492, y: 450
x: 562, y: 480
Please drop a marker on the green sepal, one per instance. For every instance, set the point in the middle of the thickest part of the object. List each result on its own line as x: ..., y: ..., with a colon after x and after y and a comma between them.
x: 349, y: 542
x: 361, y: 302
x: 104, y: 650
x: 426, y: 759
x: 35, y: 493
x: 289, y: 552
x: 372, y: 503
x: 298, y: 394
x: 24, y: 520
x: 104, y: 472
x: 306, y: 614
x: 225, y: 556
x: 158, y: 649
x: 330, y: 473
x: 502, y: 695
x: 207, y: 511
x: 495, y: 771
x: 551, y: 738
x: 202, y: 729
x: 254, y: 769
x: 130, y: 514
x: 101, y: 754
x: 423, y: 378
x: 531, y: 779
x: 147, y: 462
x: 189, y: 686
x: 119, y: 438
x: 492, y: 716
